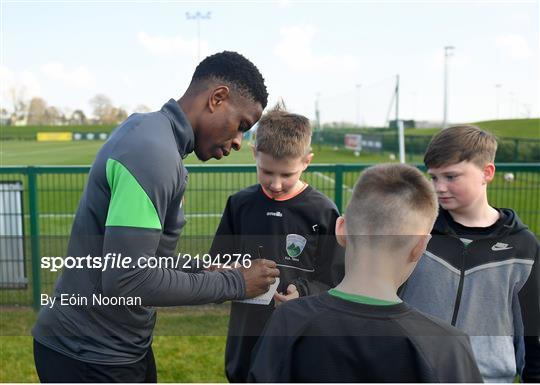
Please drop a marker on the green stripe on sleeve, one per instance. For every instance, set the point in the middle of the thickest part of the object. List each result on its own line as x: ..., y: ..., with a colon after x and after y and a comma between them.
x: 130, y: 205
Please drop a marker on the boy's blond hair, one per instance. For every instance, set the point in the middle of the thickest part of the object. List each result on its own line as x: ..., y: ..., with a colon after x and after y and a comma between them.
x: 282, y: 134
x: 461, y: 143
x: 391, y: 200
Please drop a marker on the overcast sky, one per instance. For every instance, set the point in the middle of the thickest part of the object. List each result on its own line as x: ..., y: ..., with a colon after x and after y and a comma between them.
x: 346, y: 53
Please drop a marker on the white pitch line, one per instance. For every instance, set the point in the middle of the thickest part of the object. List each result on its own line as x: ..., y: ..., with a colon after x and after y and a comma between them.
x: 333, y: 181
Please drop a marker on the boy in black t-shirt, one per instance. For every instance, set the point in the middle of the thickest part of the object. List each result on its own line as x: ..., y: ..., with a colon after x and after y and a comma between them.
x: 282, y: 219
x: 360, y: 331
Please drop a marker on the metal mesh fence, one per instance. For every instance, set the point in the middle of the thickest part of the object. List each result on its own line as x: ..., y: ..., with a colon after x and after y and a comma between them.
x: 38, y: 205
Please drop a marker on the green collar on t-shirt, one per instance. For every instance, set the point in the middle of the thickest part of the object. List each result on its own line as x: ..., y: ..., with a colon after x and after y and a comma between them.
x: 361, y: 298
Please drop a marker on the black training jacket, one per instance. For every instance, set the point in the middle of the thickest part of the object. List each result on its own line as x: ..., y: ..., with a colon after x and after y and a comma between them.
x: 298, y: 234
x: 323, y: 338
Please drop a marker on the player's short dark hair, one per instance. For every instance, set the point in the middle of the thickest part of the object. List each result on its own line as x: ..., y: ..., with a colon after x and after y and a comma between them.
x: 235, y: 69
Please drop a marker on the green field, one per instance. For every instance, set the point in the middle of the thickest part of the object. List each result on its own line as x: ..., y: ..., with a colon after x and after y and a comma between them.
x: 59, y: 194
x: 515, y: 128
x: 32, y: 153
x: 30, y: 132
x: 189, y: 344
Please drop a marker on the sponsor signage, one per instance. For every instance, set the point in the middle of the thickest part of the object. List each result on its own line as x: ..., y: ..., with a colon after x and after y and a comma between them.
x: 353, y: 142
x: 54, y: 136
x: 90, y: 136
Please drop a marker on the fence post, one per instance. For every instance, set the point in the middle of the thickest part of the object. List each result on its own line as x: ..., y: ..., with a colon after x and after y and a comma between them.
x: 516, y: 152
x: 34, y: 236
x: 338, y: 193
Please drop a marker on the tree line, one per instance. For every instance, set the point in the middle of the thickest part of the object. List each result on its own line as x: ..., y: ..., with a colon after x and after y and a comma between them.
x: 36, y: 111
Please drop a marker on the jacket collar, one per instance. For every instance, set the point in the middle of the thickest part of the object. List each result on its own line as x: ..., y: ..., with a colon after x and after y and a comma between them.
x: 511, y: 223
x: 183, y: 132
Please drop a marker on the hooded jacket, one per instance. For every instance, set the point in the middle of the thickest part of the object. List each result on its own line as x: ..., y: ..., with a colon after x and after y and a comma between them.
x: 487, y: 286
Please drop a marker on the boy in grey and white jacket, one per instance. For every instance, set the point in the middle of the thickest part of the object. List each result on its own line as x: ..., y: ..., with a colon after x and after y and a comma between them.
x: 480, y: 271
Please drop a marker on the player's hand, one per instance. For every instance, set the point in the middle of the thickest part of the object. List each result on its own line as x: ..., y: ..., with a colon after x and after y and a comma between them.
x: 292, y: 293
x: 260, y: 275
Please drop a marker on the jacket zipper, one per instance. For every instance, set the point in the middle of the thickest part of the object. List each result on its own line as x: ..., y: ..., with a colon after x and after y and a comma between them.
x: 457, y: 302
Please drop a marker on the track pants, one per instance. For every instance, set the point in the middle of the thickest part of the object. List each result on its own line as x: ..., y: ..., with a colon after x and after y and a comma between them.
x: 52, y: 366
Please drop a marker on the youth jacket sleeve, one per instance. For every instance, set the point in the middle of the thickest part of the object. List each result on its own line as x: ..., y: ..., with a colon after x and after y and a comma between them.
x: 447, y: 359
x: 141, y: 192
x: 329, y: 260
x: 529, y: 300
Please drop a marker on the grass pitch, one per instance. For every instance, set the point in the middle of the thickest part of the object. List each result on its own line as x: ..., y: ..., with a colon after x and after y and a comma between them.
x: 31, y: 153
x: 189, y: 345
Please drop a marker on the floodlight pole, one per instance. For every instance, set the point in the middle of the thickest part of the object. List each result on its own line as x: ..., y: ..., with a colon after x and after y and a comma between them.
x: 397, y: 98
x: 358, y: 105
x: 497, y: 91
x: 198, y: 17
x: 317, y: 112
x: 318, y: 122
x: 400, y: 126
x: 447, y: 53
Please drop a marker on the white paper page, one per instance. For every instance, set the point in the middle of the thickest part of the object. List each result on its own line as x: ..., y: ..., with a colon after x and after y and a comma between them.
x: 263, y: 299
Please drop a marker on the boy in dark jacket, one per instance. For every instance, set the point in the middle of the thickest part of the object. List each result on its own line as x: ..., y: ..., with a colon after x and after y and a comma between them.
x: 283, y: 219
x: 481, y: 270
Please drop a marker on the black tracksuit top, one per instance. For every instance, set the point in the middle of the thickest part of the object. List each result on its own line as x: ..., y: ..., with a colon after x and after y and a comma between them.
x: 323, y: 338
x: 298, y: 234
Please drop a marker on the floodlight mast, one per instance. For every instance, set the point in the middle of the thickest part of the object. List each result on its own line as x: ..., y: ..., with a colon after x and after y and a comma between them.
x: 198, y: 16
x: 400, y: 126
x: 318, y: 128
x: 358, y: 105
x: 448, y: 51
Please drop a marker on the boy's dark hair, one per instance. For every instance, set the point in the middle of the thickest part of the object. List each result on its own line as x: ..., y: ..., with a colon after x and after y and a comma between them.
x: 461, y: 143
x: 282, y: 134
x: 235, y: 69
